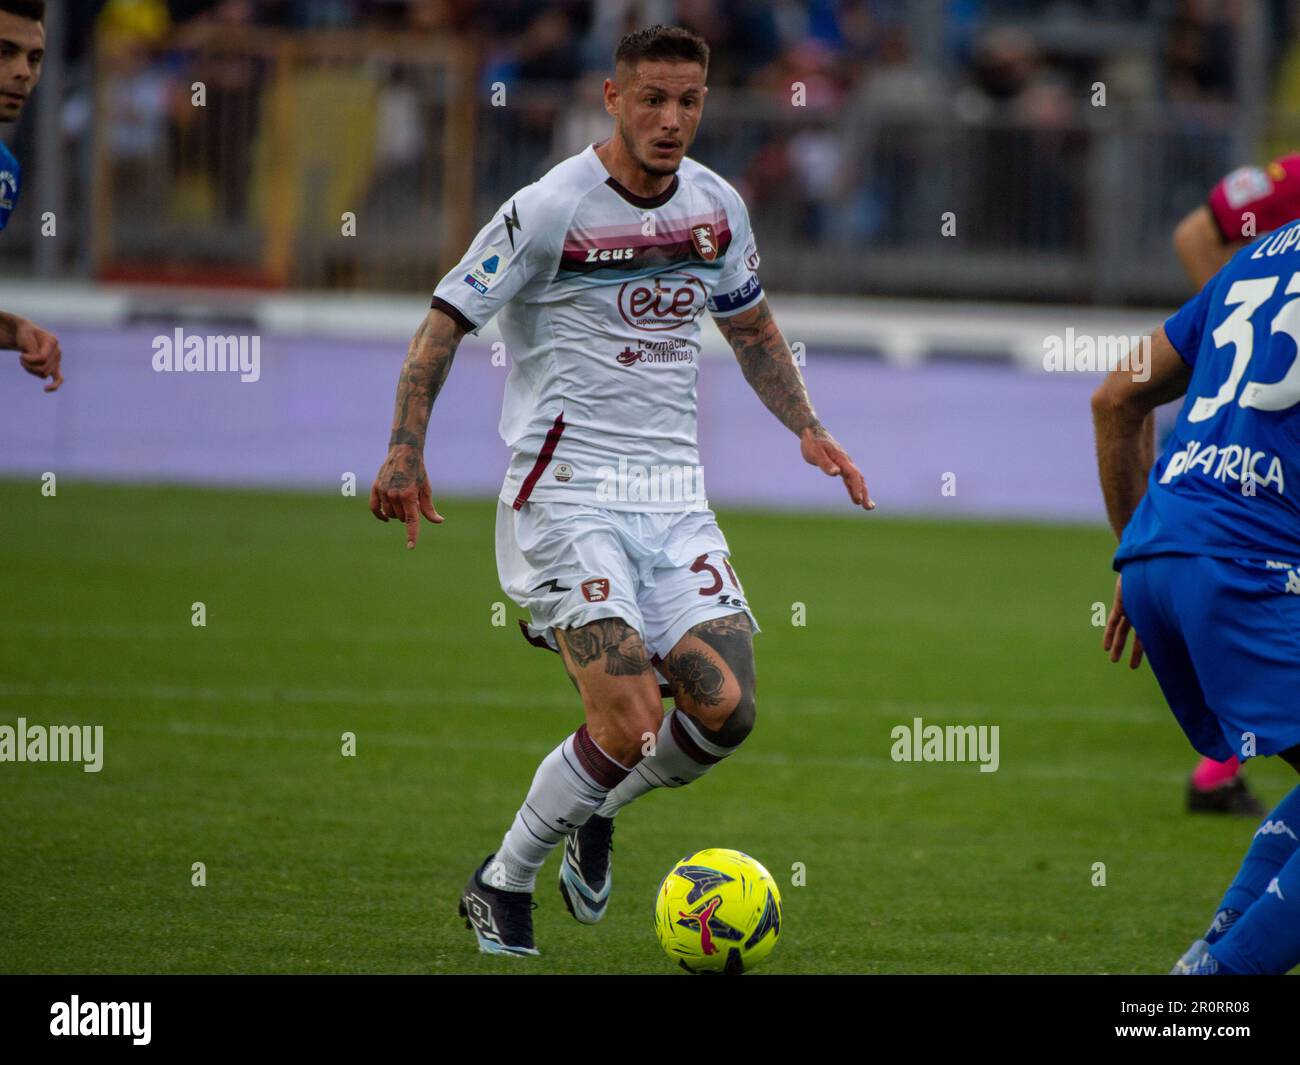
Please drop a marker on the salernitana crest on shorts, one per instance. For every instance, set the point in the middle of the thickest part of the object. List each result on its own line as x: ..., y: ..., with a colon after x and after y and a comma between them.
x: 596, y: 590
x: 706, y: 245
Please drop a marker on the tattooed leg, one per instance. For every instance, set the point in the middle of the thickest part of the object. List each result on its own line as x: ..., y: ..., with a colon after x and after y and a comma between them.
x: 711, y: 670
x: 610, y: 642
x: 607, y: 661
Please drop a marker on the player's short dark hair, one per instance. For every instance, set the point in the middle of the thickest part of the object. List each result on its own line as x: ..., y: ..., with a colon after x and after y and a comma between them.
x: 672, y: 43
x: 32, y: 9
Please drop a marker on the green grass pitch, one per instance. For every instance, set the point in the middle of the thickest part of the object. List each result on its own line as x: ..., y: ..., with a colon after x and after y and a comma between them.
x: 223, y: 746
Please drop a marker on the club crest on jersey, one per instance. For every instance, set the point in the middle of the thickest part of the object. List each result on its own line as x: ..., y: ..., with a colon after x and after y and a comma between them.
x: 596, y: 590
x: 706, y: 246
x: 564, y: 472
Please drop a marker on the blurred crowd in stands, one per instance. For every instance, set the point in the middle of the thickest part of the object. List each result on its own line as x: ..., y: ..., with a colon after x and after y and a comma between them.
x: 838, y: 46
x: 891, y: 89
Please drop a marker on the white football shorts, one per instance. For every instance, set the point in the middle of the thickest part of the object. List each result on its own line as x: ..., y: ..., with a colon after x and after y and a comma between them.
x: 571, y: 563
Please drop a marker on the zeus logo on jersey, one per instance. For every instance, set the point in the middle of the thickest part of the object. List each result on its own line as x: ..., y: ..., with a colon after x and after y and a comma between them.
x: 1235, y: 463
x: 610, y: 255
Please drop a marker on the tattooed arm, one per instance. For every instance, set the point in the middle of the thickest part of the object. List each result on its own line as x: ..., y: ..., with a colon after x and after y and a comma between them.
x: 401, y: 489
x: 769, y: 367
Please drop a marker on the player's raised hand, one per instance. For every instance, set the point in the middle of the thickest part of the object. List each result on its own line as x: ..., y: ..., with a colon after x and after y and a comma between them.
x: 820, y: 449
x: 39, y: 353
x: 401, y: 491
x: 1117, y: 630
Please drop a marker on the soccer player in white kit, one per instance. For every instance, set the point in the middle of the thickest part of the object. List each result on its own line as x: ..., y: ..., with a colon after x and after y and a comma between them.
x: 600, y: 272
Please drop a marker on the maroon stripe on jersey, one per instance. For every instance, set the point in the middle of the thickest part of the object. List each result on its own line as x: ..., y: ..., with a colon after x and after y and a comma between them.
x: 598, y: 765
x: 454, y: 313
x: 543, y: 460
x: 644, y: 253
x: 622, y: 236
x: 632, y: 237
x: 681, y: 253
x: 687, y: 743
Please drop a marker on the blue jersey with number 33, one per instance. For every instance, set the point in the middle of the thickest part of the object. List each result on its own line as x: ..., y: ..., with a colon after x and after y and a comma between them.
x: 1228, y: 482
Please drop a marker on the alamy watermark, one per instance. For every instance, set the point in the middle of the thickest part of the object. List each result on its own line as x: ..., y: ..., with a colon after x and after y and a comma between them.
x: 77, y: 1018
x: 53, y: 743
x: 1072, y: 352
x: 920, y: 742
x: 631, y: 483
x: 179, y: 353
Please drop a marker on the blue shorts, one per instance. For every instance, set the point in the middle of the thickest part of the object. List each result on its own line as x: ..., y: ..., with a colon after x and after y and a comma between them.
x: 1223, y: 639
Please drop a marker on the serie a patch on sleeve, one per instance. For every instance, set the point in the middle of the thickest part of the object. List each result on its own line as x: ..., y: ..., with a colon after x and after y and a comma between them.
x: 488, y: 268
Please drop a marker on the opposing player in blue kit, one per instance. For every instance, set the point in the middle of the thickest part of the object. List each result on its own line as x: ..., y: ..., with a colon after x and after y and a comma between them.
x: 22, y: 49
x: 1209, y: 560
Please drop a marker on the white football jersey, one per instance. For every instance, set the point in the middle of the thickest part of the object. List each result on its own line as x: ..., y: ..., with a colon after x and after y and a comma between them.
x: 600, y: 293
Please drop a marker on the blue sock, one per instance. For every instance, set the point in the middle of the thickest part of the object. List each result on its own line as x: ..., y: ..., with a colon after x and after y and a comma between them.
x: 1275, y: 842
x: 1265, y: 940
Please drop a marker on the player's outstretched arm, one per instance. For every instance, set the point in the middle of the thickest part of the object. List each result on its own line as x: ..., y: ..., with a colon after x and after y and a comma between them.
x: 401, y: 489
x: 769, y: 367
x: 1125, y: 430
x: 38, y: 349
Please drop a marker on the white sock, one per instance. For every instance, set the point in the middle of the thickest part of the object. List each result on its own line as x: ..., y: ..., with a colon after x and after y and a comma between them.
x: 569, y: 785
x: 682, y: 754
